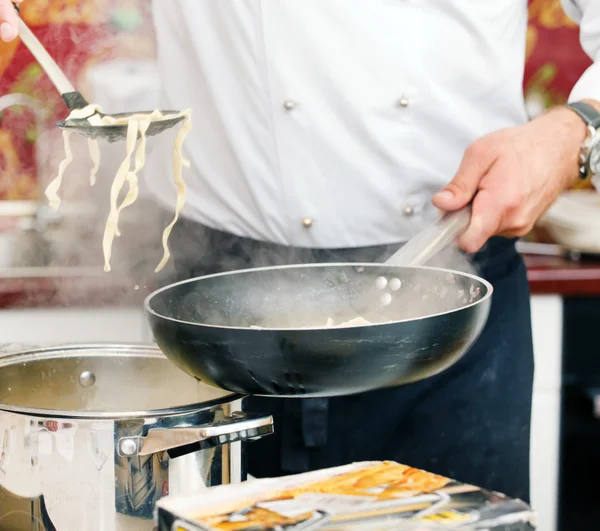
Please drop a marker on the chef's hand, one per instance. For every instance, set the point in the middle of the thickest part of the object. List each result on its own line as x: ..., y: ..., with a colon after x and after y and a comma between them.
x: 8, y: 20
x: 514, y: 176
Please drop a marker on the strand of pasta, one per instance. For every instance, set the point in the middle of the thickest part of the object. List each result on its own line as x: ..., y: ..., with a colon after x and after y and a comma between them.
x: 94, y: 150
x: 132, y: 176
x: 54, y: 186
x: 178, y: 164
x: 110, y: 228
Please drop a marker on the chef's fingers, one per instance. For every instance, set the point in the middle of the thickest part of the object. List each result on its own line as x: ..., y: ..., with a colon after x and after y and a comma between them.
x: 485, y: 220
x: 498, y: 206
x: 476, y: 162
x: 8, y: 21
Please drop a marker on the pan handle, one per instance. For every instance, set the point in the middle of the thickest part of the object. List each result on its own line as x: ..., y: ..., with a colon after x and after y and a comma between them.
x: 238, y: 427
x: 433, y: 239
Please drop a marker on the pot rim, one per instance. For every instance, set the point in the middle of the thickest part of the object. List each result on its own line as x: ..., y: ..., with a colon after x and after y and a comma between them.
x: 71, y: 350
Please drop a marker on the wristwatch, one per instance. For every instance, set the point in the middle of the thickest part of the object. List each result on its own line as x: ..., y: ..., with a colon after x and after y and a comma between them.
x: 589, y: 158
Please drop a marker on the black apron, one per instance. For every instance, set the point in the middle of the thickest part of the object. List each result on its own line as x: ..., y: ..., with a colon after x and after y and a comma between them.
x: 470, y: 423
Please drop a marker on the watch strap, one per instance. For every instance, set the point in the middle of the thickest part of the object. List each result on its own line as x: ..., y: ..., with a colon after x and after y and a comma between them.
x: 587, y: 113
x: 591, y: 118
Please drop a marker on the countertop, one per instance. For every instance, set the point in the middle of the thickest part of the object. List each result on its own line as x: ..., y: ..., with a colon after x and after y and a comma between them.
x: 68, y: 287
x: 560, y: 275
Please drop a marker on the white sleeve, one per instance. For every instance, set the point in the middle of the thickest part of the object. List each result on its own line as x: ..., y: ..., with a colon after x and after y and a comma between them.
x: 586, y: 13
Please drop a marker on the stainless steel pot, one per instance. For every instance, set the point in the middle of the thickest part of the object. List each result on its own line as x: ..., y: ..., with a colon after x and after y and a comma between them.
x: 92, y: 435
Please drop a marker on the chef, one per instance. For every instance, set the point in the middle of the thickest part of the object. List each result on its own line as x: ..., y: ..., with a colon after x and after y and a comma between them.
x: 334, y: 130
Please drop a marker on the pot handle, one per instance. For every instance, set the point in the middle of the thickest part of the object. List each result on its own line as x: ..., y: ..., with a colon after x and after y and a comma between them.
x: 238, y: 427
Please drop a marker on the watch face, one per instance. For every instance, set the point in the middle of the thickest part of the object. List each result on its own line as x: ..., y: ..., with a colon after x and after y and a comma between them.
x: 595, y: 159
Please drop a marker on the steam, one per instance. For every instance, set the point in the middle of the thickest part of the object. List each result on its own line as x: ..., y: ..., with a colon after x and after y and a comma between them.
x: 77, y: 236
x: 73, y: 238
x: 74, y: 233
x: 454, y: 259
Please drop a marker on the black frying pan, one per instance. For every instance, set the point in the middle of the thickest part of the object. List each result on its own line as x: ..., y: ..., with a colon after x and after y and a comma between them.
x: 205, y: 326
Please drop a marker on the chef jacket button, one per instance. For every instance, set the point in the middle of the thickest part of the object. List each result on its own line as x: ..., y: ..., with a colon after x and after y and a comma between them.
x: 307, y: 222
x: 289, y: 105
x: 403, y: 102
x: 408, y: 211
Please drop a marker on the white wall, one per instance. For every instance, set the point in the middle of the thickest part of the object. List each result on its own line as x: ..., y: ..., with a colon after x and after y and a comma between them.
x: 547, y: 322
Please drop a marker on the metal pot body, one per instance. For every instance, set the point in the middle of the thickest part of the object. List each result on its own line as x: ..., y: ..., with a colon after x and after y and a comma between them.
x: 102, y: 463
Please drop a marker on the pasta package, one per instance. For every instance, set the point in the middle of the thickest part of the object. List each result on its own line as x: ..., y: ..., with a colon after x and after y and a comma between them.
x: 357, y: 497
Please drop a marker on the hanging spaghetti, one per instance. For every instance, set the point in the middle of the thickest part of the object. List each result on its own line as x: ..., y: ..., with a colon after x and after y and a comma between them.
x: 137, y: 125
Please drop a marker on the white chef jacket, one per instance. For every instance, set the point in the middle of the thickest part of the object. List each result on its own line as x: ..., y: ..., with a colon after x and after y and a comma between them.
x: 331, y: 123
